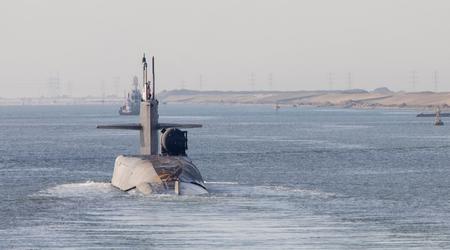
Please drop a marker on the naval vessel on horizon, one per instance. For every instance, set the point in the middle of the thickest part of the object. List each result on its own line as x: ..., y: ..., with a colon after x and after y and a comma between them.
x: 442, y: 114
x: 160, y: 167
x: 132, y: 103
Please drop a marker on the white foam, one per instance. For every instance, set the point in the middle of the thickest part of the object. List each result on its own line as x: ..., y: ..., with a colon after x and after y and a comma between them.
x: 85, y: 189
x: 222, y: 182
x: 91, y: 189
x: 302, y: 192
x: 188, y: 117
x: 218, y: 188
x: 346, y: 126
x: 281, y: 191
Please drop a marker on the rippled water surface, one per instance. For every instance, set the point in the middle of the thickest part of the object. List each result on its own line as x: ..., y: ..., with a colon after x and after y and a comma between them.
x: 299, y: 178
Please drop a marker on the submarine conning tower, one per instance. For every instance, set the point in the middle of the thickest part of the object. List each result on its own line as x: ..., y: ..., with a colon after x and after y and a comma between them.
x: 149, y: 124
x: 149, y: 117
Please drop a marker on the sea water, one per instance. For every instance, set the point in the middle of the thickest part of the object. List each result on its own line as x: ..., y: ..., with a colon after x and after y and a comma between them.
x: 297, y: 178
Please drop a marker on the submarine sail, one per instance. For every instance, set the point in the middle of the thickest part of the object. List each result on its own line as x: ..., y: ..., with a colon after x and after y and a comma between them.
x: 162, y: 166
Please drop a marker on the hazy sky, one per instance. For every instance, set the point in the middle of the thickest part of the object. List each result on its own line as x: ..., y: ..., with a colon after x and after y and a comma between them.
x: 381, y: 42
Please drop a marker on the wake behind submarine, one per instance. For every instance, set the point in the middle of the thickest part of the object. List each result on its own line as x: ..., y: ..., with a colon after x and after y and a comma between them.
x: 151, y: 172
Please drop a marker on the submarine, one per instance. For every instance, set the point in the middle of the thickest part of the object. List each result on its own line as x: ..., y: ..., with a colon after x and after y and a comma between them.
x: 162, y: 165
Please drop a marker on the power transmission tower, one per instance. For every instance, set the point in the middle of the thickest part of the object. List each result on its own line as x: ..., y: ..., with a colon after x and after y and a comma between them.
x: 270, y: 79
x: 54, y: 86
x: 116, y: 85
x: 330, y: 80
x: 413, y: 80
x: 252, y: 81
x: 436, y: 80
x: 102, y: 89
x: 69, y: 89
x: 349, y: 80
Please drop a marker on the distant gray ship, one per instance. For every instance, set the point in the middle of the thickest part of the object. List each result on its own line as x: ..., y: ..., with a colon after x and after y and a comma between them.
x: 432, y: 115
x: 132, y: 105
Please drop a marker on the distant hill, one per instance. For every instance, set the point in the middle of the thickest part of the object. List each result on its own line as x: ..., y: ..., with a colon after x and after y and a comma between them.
x: 382, y: 90
x: 354, y: 98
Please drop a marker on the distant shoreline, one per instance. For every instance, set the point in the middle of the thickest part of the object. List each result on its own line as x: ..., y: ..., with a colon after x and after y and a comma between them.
x: 48, y: 101
x: 355, y: 98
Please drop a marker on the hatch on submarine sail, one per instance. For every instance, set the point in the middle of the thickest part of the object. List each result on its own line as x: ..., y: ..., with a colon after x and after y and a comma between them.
x: 167, y: 171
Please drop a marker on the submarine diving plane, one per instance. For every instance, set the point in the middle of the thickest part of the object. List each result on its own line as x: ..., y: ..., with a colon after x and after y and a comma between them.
x: 159, y: 167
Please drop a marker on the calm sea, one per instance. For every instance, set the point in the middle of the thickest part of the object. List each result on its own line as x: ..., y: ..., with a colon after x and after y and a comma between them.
x: 299, y: 178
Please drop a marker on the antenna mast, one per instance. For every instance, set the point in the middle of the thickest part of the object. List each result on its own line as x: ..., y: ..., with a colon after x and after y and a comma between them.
x: 153, y: 74
x: 144, y: 79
